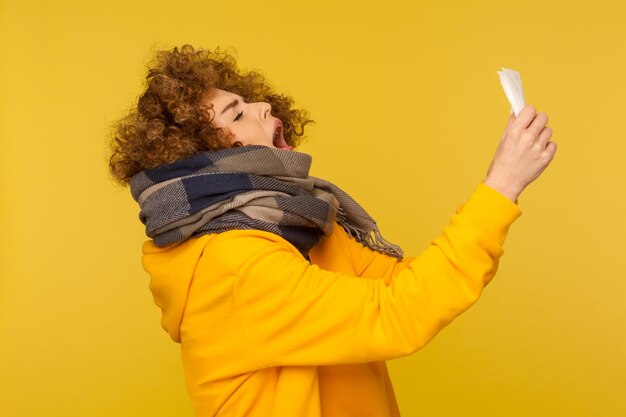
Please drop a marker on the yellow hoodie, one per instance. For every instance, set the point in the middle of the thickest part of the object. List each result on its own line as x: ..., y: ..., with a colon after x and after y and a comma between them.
x: 263, y: 332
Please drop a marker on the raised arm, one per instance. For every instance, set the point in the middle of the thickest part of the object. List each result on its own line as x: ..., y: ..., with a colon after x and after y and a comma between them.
x: 523, y: 153
x: 294, y: 313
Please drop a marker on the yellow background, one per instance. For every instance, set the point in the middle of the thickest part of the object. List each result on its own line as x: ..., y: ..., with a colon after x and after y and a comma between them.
x: 409, y: 111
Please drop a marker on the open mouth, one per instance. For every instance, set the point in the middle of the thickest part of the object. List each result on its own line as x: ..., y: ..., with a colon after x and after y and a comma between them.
x: 279, y: 140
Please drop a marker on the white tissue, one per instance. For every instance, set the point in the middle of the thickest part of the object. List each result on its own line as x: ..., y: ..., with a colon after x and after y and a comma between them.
x: 512, y: 85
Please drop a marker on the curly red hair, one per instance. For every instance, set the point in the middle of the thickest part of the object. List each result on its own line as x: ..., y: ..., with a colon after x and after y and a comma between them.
x: 172, y: 119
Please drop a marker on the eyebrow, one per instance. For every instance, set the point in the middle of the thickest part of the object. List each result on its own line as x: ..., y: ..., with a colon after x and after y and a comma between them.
x: 230, y: 105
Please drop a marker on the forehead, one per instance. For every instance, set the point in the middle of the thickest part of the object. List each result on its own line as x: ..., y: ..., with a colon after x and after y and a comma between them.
x: 220, y: 98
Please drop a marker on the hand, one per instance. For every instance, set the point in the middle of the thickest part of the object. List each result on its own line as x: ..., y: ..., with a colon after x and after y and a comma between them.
x: 522, y: 155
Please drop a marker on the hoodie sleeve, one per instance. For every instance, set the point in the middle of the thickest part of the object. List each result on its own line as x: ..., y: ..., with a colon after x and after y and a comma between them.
x: 293, y: 313
x: 368, y: 263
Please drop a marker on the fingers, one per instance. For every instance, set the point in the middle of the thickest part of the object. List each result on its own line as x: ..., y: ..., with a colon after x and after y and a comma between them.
x: 531, y: 125
x: 538, y: 123
x: 534, y: 125
x: 524, y: 118
x: 544, y: 136
x: 550, y: 151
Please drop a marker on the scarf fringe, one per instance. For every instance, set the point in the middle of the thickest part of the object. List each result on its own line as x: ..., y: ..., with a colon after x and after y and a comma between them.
x: 371, y: 237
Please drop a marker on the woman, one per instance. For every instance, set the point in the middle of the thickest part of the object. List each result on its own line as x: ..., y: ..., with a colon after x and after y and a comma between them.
x: 286, y: 299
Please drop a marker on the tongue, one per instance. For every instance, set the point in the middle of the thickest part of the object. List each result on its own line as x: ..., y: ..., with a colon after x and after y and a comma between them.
x: 280, y: 142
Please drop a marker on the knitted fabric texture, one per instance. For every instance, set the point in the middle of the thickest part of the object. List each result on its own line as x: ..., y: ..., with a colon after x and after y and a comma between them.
x: 250, y: 187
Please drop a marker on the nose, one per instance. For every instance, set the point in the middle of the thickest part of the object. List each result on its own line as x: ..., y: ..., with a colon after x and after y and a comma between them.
x: 265, y: 110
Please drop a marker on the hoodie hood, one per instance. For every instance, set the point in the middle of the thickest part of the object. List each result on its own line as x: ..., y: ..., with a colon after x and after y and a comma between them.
x: 171, y: 269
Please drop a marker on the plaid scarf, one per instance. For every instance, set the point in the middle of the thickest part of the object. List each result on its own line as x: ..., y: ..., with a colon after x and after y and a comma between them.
x: 250, y: 187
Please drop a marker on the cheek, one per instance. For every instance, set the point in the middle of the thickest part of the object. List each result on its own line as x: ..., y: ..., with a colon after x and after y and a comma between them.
x: 247, y: 131
x: 236, y: 129
x: 250, y: 133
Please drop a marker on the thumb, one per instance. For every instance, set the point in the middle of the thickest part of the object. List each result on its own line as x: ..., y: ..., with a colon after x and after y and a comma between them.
x: 508, y: 125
